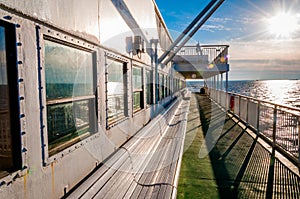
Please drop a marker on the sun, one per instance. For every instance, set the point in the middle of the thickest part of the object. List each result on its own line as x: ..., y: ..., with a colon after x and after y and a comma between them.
x: 283, y: 24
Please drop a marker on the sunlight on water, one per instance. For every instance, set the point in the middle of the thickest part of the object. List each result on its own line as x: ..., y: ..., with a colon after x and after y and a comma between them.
x: 279, y: 91
x: 285, y: 92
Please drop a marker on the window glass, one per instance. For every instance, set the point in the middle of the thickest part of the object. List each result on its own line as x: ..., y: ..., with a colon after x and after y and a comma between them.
x: 116, y: 90
x: 166, y: 86
x: 161, y: 86
x: 10, y: 156
x: 6, y: 160
x: 149, y: 96
x: 70, y: 96
x: 69, y: 71
x: 137, y: 88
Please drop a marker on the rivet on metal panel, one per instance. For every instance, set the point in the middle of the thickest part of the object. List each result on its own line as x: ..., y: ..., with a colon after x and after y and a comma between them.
x: 7, y: 17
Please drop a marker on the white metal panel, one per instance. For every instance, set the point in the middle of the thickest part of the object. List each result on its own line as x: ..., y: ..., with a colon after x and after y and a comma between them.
x: 243, y: 111
x: 236, y: 105
x: 72, y: 15
x: 252, y: 113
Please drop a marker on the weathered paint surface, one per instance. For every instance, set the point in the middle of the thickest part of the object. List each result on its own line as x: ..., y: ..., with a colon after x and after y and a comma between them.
x: 85, y: 23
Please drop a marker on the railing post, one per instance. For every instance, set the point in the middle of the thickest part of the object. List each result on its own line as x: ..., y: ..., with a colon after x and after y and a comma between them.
x: 247, y: 110
x: 274, y: 128
x: 299, y: 141
x: 240, y: 106
x: 258, y: 113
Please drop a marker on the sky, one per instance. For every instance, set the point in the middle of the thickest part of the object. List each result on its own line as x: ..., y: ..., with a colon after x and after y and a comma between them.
x: 264, y: 35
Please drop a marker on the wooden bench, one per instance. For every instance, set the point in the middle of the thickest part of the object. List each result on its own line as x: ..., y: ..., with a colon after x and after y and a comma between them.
x: 147, y: 166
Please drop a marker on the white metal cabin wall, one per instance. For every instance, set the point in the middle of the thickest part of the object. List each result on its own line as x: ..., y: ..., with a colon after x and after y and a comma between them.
x: 126, y: 18
x: 80, y: 17
x: 38, y: 181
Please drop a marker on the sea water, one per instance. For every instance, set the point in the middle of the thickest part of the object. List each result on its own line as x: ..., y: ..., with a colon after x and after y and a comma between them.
x: 286, y: 92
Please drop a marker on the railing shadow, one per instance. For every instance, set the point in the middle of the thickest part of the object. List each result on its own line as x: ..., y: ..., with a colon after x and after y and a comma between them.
x: 242, y: 166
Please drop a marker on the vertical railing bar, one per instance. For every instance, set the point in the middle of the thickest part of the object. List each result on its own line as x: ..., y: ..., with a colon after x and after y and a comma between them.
x: 247, y: 110
x: 298, y: 141
x: 240, y: 106
x: 274, y: 128
x: 258, y: 114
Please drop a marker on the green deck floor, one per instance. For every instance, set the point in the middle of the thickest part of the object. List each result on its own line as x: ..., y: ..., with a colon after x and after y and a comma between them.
x: 237, y: 165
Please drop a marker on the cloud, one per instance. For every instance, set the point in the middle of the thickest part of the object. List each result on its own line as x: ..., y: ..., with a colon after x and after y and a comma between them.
x: 274, y: 65
x: 219, y: 20
x: 213, y: 28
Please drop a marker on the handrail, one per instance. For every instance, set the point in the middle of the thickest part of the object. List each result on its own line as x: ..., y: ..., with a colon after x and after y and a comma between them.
x: 267, y: 102
x: 277, y: 124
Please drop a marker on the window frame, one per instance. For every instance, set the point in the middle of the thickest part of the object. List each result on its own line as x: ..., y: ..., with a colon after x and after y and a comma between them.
x: 44, y: 33
x: 124, y: 62
x: 149, y: 88
x: 13, y: 93
x: 139, y: 90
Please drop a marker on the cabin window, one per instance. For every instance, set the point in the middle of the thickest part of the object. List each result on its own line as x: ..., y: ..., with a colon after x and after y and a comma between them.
x: 149, y: 88
x: 161, y: 82
x: 137, y: 85
x: 10, y: 142
x: 169, y: 88
x: 70, y: 95
x: 166, y: 86
x: 116, y: 91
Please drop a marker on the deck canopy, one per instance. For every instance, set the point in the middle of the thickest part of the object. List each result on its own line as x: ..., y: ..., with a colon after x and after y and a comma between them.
x: 201, y: 62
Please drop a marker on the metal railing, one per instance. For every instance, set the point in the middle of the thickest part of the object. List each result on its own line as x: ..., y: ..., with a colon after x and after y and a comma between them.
x: 278, y: 124
x: 216, y: 53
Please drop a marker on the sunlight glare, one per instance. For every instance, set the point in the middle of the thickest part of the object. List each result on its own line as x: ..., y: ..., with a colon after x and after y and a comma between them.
x: 282, y: 25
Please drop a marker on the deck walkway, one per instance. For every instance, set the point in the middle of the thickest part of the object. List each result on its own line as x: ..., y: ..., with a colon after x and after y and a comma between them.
x: 146, y: 166
x: 222, y: 158
x: 236, y: 164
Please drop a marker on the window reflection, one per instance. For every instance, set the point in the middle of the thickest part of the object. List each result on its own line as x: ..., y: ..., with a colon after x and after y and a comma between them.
x: 69, y: 94
x: 69, y: 71
x: 116, y: 91
x: 149, y: 95
x: 137, y: 88
x: 10, y: 146
x: 6, y: 161
x: 161, y: 86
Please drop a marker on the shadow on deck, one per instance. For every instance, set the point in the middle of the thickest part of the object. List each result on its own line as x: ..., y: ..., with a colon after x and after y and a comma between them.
x: 222, y: 160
